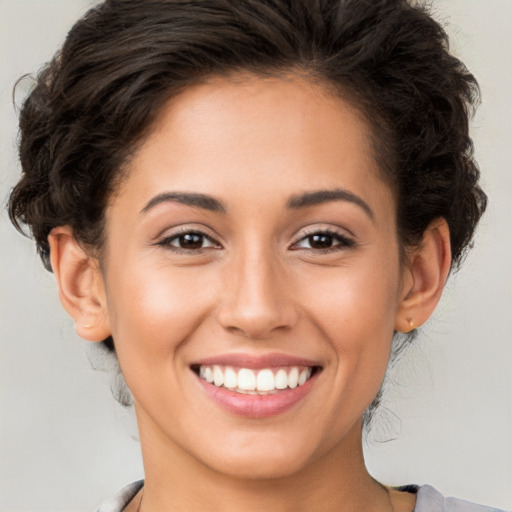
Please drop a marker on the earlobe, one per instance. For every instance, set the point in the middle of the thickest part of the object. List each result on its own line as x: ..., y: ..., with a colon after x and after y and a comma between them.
x: 80, y: 283
x: 427, y: 272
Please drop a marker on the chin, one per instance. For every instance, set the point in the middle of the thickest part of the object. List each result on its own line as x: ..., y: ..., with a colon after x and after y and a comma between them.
x: 259, y: 468
x: 259, y: 461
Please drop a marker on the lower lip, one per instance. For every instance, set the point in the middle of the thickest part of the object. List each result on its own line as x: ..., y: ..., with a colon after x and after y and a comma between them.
x: 257, y: 406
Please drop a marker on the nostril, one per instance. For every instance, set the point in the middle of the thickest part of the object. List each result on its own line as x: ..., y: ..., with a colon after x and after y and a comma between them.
x: 235, y: 330
x: 256, y: 323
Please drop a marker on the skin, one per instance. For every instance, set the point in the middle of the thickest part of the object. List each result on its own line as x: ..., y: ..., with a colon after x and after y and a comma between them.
x: 254, y: 284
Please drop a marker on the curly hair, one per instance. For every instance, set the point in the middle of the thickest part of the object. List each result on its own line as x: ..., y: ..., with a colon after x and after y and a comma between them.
x: 93, y: 104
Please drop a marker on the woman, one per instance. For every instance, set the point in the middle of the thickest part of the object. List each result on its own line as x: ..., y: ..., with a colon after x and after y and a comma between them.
x: 247, y: 203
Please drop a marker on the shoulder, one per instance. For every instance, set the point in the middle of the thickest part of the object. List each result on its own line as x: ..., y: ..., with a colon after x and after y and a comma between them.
x: 430, y: 500
x: 122, y: 498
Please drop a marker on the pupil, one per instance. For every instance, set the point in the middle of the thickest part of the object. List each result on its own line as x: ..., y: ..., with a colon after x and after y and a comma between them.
x: 191, y: 241
x: 320, y: 241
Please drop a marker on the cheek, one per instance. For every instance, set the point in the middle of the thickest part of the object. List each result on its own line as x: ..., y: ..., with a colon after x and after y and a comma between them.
x: 355, y: 310
x: 156, y: 308
x: 353, y: 301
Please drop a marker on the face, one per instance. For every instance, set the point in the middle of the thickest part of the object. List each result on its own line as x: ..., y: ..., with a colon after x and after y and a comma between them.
x: 252, y: 276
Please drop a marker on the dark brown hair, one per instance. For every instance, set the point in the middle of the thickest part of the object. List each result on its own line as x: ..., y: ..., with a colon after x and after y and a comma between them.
x: 94, y: 102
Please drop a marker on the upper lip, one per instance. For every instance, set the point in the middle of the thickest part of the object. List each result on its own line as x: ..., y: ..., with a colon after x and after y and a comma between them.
x: 255, y: 361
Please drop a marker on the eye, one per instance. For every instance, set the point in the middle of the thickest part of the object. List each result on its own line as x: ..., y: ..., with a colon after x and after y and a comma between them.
x: 324, y: 240
x: 189, y: 241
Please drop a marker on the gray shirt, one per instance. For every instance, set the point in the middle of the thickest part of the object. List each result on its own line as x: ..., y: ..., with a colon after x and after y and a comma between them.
x: 427, y: 500
x: 430, y: 500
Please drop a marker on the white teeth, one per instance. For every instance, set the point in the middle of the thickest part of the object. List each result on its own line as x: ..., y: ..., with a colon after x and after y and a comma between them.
x: 303, y: 376
x: 293, y: 378
x: 246, y: 380
x: 230, y: 378
x: 218, y: 376
x: 208, y: 374
x: 263, y: 382
x: 281, y: 379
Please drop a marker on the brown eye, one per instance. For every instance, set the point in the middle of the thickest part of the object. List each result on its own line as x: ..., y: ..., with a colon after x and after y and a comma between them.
x: 189, y: 241
x: 323, y: 241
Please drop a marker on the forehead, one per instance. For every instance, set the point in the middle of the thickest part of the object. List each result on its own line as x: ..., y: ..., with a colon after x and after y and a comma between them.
x: 256, y: 134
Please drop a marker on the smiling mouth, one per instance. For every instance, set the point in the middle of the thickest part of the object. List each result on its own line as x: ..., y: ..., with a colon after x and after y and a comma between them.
x: 248, y: 381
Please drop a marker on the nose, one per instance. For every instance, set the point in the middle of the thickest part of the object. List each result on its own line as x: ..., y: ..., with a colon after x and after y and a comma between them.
x: 257, y: 297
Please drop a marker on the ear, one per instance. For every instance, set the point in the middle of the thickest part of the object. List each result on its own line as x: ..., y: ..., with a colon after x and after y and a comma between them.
x: 425, y: 276
x: 80, y: 282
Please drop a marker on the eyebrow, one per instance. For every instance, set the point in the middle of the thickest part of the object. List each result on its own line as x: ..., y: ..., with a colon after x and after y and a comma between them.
x: 296, y: 202
x: 190, y: 199
x: 325, y: 196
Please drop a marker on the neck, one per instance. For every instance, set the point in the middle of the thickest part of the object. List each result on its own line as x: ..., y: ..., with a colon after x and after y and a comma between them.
x: 336, y: 480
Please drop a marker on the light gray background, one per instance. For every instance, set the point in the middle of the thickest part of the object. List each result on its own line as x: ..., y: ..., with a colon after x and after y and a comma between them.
x: 65, y: 444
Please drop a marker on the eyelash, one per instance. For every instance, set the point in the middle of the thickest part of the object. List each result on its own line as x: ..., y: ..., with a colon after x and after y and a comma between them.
x: 167, y: 241
x: 342, y: 241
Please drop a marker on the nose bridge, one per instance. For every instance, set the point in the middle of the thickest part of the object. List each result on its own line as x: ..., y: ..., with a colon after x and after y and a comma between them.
x: 256, y: 302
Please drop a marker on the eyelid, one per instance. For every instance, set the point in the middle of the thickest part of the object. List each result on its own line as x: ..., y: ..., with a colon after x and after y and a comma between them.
x: 174, y: 233
x: 346, y: 240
